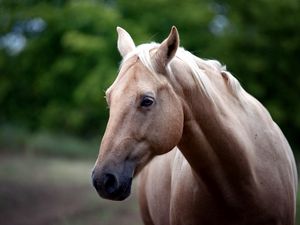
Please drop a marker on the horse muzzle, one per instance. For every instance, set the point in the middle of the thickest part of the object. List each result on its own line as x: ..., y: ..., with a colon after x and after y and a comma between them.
x: 113, y: 185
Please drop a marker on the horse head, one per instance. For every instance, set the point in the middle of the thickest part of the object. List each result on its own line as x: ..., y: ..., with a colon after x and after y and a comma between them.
x: 145, y: 116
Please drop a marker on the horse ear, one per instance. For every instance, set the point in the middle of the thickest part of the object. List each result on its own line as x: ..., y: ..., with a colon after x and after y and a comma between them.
x: 125, y: 42
x: 167, y: 49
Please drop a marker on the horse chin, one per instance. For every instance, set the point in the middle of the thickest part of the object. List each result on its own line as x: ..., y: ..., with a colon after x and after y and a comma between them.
x: 142, y: 164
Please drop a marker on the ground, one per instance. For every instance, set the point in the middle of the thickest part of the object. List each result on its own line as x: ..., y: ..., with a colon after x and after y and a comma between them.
x: 48, y: 191
x: 55, y: 191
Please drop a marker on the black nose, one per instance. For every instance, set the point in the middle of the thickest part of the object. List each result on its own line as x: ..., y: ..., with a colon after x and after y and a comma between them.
x: 107, y: 185
x: 110, y: 184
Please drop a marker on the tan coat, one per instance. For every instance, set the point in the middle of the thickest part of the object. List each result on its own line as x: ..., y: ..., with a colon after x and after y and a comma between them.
x: 230, y: 164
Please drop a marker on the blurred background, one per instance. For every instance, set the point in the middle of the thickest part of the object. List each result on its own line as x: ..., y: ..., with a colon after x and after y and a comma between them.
x: 58, y: 57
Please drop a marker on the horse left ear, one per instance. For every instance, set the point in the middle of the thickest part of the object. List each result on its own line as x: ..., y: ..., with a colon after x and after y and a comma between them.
x: 125, y: 42
x: 167, y: 49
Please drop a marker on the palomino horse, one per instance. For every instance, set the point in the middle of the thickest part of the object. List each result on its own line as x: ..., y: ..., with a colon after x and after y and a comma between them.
x: 230, y: 162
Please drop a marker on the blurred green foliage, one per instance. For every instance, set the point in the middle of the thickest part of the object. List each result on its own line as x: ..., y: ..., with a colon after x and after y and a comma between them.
x: 15, y: 140
x: 57, y: 57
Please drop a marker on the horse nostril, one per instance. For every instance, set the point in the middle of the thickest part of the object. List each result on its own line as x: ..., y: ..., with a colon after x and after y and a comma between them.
x: 110, y: 183
x: 110, y: 186
x: 106, y: 185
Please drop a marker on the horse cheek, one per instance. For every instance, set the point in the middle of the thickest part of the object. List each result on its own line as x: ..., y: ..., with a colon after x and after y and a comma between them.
x: 171, y: 129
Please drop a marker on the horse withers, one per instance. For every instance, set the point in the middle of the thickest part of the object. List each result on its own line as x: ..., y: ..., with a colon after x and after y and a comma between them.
x: 207, y: 152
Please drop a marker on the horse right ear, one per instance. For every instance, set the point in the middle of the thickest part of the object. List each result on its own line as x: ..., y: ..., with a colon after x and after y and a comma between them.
x: 125, y: 42
x: 167, y: 49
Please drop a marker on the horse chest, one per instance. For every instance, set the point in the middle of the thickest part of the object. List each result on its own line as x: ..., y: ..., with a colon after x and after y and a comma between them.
x: 170, y: 194
x: 190, y: 202
x: 173, y: 195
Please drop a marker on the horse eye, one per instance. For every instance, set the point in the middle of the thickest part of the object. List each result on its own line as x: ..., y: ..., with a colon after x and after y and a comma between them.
x: 147, y: 101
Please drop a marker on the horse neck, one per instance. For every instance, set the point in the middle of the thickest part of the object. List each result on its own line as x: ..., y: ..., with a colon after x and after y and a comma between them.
x: 214, y: 142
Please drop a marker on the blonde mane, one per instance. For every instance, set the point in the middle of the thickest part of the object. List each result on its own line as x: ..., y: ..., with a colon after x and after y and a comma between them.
x: 199, y: 67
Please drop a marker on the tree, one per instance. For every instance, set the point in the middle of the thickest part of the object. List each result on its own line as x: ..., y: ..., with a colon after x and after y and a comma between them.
x: 65, y: 55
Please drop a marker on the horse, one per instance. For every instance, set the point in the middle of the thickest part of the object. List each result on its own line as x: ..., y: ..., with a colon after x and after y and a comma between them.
x: 206, y: 151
